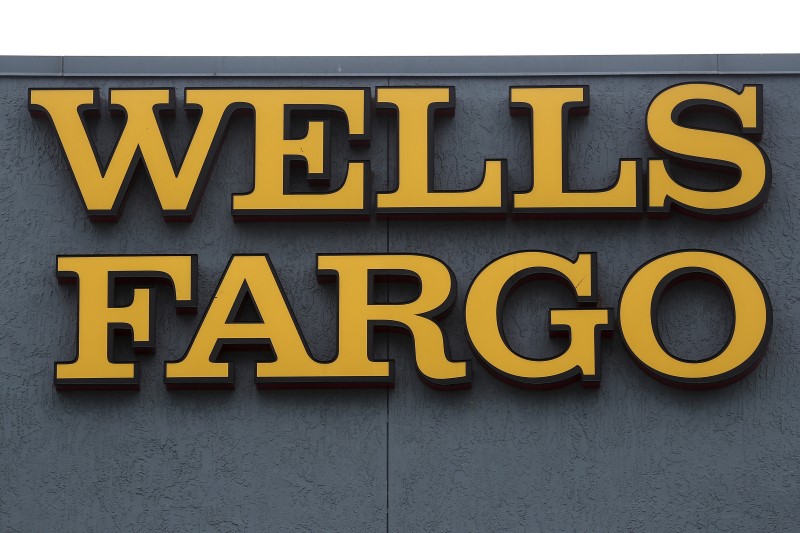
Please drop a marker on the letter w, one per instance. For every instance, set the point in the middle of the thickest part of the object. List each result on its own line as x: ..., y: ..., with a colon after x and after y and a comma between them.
x: 103, y: 191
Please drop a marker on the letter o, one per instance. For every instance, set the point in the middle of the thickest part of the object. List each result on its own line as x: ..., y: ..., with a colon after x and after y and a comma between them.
x: 752, y: 321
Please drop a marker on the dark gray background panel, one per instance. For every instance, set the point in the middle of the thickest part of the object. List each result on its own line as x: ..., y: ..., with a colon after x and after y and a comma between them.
x: 631, y: 455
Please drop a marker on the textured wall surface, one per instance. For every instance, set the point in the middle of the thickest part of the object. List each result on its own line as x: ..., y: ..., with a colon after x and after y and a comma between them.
x: 631, y: 455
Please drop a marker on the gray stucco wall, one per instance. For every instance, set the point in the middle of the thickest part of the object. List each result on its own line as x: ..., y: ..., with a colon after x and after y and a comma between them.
x: 631, y: 455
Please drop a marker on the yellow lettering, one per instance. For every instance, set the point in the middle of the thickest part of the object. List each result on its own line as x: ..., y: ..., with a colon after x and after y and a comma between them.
x: 697, y: 146
x: 98, y: 318
x: 270, y: 195
x: 751, y: 329
x: 550, y: 193
x: 485, y: 301
x: 416, y: 107
x: 358, y: 314
x: 103, y: 190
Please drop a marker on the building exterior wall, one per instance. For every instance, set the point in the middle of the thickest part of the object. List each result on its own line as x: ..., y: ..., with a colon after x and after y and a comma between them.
x: 633, y: 454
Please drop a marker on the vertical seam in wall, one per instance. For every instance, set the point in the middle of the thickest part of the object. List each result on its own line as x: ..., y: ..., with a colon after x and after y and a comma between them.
x: 388, y: 389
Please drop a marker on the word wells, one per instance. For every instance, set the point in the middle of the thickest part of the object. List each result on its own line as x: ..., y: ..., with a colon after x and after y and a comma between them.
x: 275, y: 330
x: 641, y: 186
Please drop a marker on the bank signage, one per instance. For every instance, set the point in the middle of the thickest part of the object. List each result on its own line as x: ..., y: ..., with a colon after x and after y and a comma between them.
x: 643, y: 187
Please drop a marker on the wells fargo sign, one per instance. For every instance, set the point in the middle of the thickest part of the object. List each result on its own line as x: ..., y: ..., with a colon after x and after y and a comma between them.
x: 642, y: 187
